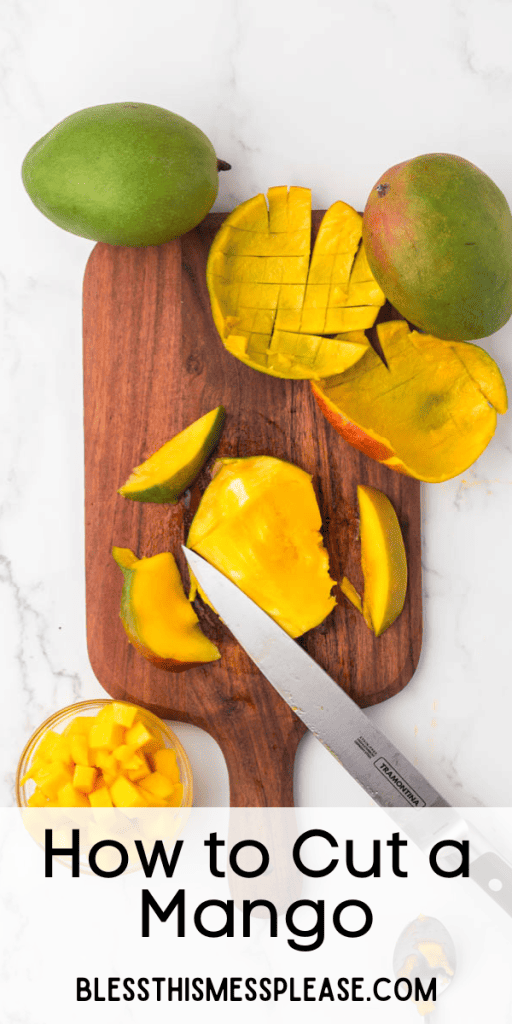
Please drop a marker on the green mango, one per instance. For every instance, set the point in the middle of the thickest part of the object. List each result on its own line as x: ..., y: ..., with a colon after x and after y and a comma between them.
x: 438, y: 238
x: 123, y: 173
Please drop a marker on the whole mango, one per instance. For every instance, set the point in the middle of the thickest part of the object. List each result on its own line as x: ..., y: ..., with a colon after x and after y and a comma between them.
x: 438, y: 238
x: 124, y: 173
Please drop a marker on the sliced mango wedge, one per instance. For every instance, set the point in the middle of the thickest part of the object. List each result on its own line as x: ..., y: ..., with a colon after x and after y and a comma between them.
x: 274, y: 310
x: 159, y: 620
x: 259, y: 523
x: 165, y: 476
x: 429, y: 413
x: 383, y: 561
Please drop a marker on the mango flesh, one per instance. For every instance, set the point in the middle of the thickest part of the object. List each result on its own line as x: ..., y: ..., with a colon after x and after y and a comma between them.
x: 429, y: 413
x: 438, y: 237
x: 123, y: 173
x: 122, y: 763
x: 259, y: 523
x: 166, y: 475
x: 383, y: 561
x: 158, y: 619
x: 276, y: 310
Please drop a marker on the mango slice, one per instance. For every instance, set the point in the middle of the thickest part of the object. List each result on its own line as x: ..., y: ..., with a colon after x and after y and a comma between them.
x: 429, y: 413
x: 139, y: 772
x: 259, y: 523
x: 158, y: 618
x: 273, y: 309
x: 166, y: 475
x: 383, y: 562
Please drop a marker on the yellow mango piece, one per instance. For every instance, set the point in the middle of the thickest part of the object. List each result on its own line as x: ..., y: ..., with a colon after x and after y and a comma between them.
x: 383, y: 559
x: 37, y: 763
x: 136, y: 774
x: 37, y: 799
x: 53, y: 747
x: 167, y: 474
x: 123, y: 753
x: 104, y: 759
x: 81, y: 725
x: 124, y: 714
x: 176, y: 797
x: 157, y: 784
x: 138, y: 735
x: 259, y: 523
x: 68, y: 796
x: 100, y: 797
x: 167, y: 764
x: 158, y: 619
x: 106, y: 733
x: 84, y: 778
x: 125, y: 793
x: 429, y: 412
x: 79, y: 749
x: 350, y: 591
x: 109, y: 777
x: 51, y: 778
x: 261, y: 322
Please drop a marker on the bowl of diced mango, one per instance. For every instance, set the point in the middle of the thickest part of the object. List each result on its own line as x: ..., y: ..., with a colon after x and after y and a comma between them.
x: 101, y: 754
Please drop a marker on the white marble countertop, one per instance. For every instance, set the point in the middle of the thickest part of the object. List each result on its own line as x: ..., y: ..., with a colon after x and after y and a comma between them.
x: 327, y: 95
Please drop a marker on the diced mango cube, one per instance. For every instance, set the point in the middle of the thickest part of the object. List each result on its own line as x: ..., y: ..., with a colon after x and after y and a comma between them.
x: 51, y: 778
x: 71, y: 797
x: 176, y: 798
x: 105, y: 760
x: 110, y: 777
x: 100, y: 797
x: 135, y: 762
x: 106, y: 733
x: 124, y: 793
x: 138, y: 735
x: 84, y: 778
x: 166, y: 764
x: 124, y: 714
x: 37, y: 799
x: 79, y: 749
x: 157, y: 784
x: 80, y: 726
x: 49, y: 743
x: 123, y: 753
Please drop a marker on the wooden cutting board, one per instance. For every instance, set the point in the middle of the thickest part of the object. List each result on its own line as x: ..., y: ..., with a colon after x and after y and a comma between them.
x: 153, y: 363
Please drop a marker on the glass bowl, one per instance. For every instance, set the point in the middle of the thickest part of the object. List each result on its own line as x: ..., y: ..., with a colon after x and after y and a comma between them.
x: 58, y: 722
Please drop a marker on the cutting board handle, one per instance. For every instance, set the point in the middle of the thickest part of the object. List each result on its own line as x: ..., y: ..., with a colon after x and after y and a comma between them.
x: 260, y: 763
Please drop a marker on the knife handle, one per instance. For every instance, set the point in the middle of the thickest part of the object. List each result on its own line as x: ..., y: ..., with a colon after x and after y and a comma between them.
x: 494, y: 876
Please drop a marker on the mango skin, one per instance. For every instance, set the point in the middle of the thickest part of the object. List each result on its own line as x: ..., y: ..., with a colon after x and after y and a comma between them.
x: 438, y: 238
x: 123, y: 173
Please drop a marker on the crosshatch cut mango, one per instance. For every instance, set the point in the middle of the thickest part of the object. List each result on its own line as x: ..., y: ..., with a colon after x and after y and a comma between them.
x: 165, y: 476
x: 281, y: 310
x: 259, y: 523
x: 159, y: 620
x: 429, y: 413
x: 383, y: 561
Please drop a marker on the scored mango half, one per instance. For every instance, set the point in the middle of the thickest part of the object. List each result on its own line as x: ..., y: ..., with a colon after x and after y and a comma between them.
x: 258, y: 522
x: 429, y: 413
x: 277, y: 308
x: 158, y: 619
x: 383, y: 561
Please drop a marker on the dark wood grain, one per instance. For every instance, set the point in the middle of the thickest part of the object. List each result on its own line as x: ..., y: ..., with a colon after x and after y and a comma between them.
x: 153, y: 363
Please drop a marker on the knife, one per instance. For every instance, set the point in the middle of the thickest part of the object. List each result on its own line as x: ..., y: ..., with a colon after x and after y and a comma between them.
x: 346, y: 731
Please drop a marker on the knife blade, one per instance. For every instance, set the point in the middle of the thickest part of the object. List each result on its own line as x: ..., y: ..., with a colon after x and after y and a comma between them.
x: 328, y: 712
x: 339, y: 723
